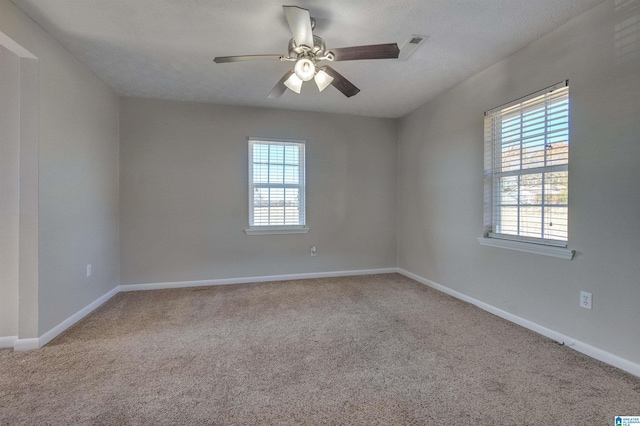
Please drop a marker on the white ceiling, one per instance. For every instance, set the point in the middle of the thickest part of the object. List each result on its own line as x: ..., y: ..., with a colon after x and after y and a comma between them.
x: 164, y: 48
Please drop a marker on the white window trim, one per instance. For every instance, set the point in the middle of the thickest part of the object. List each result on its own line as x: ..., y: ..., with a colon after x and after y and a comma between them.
x: 553, y: 248
x: 545, y: 250
x: 277, y: 229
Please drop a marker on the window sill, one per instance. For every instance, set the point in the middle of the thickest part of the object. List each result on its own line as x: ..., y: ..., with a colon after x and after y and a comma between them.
x: 274, y: 230
x: 559, y: 252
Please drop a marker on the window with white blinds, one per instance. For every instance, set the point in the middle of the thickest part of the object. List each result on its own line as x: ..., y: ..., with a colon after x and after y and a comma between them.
x: 276, y: 184
x: 526, y: 168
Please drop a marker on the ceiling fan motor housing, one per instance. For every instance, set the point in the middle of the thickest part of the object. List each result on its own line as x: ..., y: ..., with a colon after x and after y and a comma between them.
x: 318, y: 49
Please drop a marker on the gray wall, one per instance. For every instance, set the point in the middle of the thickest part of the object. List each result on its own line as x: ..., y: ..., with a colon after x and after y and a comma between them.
x: 9, y: 190
x: 441, y: 186
x: 184, y: 201
x: 78, y: 175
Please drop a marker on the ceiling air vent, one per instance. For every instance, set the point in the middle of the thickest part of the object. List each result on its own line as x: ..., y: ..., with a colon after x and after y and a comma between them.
x: 411, y: 45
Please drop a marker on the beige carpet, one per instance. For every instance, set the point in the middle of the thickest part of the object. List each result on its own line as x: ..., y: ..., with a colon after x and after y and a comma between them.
x: 359, y: 350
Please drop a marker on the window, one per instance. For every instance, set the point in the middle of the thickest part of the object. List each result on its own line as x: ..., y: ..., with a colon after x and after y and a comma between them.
x: 276, y: 187
x: 526, y: 169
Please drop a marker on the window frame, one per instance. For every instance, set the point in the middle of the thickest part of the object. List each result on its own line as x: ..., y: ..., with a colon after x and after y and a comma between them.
x: 301, y: 227
x: 493, y: 140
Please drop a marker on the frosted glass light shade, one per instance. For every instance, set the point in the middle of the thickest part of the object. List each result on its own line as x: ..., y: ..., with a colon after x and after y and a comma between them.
x: 323, y: 80
x: 294, y: 83
x: 305, y: 69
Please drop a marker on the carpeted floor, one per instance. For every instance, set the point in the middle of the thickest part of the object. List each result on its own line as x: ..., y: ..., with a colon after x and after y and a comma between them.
x: 359, y: 350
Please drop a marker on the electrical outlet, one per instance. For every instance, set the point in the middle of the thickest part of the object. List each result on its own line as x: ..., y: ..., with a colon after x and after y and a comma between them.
x: 313, y: 250
x: 88, y: 270
x: 585, y: 300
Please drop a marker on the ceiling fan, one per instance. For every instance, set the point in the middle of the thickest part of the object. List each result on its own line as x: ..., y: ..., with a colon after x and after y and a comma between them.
x: 307, y: 50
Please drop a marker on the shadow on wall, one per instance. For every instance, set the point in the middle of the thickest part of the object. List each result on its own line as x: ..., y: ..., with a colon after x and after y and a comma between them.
x: 627, y: 32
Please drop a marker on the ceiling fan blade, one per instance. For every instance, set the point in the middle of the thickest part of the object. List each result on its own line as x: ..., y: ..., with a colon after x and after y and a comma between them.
x: 280, y: 87
x: 342, y: 84
x: 226, y: 59
x: 300, y: 23
x: 374, y: 51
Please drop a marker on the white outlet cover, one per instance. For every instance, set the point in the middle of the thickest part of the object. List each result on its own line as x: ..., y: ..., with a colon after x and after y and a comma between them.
x: 585, y: 300
x: 88, y: 270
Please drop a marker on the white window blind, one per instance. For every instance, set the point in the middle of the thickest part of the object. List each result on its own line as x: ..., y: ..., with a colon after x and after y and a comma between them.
x: 276, y: 184
x: 526, y: 168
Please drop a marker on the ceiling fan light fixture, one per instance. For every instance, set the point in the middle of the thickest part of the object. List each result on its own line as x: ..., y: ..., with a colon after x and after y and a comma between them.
x: 305, y: 69
x: 294, y: 83
x: 322, y: 80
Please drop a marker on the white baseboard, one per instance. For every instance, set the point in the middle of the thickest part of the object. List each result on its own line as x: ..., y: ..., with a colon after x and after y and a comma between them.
x: 36, y: 343
x: 260, y: 279
x: 7, y: 341
x: 592, y: 351
x: 55, y: 331
x: 26, y: 344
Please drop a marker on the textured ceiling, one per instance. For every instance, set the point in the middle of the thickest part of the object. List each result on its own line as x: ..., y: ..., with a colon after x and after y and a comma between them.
x: 164, y: 48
